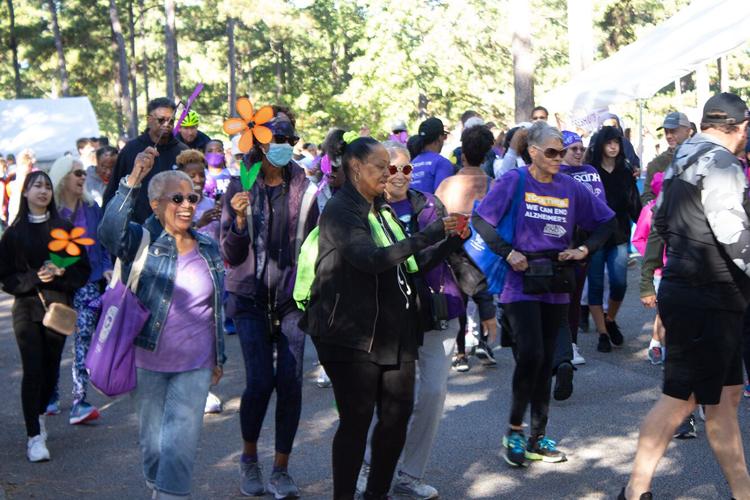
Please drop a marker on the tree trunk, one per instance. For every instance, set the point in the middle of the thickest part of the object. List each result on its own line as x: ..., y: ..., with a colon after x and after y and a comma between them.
x: 133, y: 71
x: 232, y: 63
x: 580, y: 35
x: 64, y: 85
x: 723, y: 74
x: 117, y: 83
x: 523, y: 59
x: 171, y: 46
x: 277, y: 53
x: 122, y: 66
x: 144, y: 60
x: 14, y: 50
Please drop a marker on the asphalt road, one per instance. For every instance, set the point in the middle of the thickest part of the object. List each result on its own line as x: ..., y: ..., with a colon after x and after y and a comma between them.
x: 597, y: 427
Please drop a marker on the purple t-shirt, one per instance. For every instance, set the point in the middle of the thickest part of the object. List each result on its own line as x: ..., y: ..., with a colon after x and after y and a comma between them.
x: 216, y: 183
x: 429, y: 171
x: 187, y: 341
x: 587, y: 175
x: 545, y: 221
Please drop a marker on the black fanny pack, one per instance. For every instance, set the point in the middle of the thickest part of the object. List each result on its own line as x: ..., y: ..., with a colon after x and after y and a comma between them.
x: 439, y: 307
x: 548, y: 275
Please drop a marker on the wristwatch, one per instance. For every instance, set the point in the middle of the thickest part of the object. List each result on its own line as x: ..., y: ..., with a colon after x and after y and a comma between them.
x: 584, y: 249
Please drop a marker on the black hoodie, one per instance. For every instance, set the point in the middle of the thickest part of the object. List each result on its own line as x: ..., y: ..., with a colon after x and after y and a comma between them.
x: 165, y: 161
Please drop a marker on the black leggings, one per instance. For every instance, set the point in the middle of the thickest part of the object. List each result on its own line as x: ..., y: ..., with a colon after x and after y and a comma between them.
x: 534, y: 326
x: 359, y: 388
x: 41, y: 350
x: 487, y: 310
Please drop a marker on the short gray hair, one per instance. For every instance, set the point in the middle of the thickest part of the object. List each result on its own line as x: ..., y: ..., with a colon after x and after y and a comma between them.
x: 540, y: 132
x: 159, y: 182
x: 394, y: 147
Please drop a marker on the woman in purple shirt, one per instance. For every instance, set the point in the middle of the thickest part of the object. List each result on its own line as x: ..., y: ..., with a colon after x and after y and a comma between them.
x: 553, y: 206
x: 429, y: 167
x: 78, y: 207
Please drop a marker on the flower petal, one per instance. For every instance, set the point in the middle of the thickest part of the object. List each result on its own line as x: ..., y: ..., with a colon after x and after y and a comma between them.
x: 245, y: 109
x: 59, y: 234
x: 57, y: 245
x: 77, y: 232
x: 263, y: 115
x: 234, y: 126
x: 263, y: 134
x: 246, y: 141
x: 87, y: 242
x: 72, y: 249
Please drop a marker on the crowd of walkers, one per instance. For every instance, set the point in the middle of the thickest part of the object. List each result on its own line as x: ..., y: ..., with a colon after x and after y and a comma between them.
x: 378, y: 251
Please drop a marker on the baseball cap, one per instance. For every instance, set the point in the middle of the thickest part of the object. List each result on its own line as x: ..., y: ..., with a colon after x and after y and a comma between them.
x: 725, y: 109
x: 236, y: 145
x: 398, y: 126
x: 474, y: 121
x: 570, y: 138
x: 674, y: 120
x: 431, y: 129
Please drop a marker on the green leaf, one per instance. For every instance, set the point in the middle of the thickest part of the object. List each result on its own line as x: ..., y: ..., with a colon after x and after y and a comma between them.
x: 248, y: 176
x: 62, y: 262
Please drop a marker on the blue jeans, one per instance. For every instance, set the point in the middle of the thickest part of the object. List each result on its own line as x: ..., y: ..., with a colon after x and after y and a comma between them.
x: 616, y: 260
x: 170, y: 415
x: 262, y: 379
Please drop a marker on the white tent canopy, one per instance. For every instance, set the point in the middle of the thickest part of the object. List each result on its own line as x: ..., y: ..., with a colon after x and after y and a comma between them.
x: 704, y: 31
x: 48, y: 126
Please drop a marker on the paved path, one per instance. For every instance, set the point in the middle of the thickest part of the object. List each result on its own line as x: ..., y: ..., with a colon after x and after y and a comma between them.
x: 597, y: 427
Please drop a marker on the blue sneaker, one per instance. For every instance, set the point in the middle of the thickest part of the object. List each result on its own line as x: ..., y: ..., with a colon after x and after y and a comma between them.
x: 746, y: 392
x: 544, y: 449
x: 515, y: 448
x: 53, y: 408
x: 83, y: 412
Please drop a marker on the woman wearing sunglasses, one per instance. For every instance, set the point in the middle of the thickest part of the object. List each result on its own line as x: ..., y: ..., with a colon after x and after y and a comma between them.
x: 76, y: 205
x: 262, y: 230
x: 180, y: 351
x: 550, y: 209
x: 607, y: 155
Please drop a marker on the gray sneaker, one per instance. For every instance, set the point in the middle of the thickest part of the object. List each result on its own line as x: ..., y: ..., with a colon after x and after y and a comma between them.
x: 251, y: 480
x: 282, y: 485
x: 364, y: 474
x: 413, y: 487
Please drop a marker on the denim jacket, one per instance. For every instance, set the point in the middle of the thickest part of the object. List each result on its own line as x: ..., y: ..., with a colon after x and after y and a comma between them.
x: 121, y: 237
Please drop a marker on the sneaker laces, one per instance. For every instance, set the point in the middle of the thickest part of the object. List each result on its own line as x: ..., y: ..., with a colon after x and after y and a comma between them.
x: 517, y: 442
x: 547, y: 444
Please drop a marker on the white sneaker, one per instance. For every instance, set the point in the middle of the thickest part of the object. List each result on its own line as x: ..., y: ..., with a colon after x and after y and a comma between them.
x: 577, y: 358
x: 43, y: 427
x: 36, y: 449
x: 364, y: 474
x: 323, y: 381
x: 213, y: 404
x: 413, y: 487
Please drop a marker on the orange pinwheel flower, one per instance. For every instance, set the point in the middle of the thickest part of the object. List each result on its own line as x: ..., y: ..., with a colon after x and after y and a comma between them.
x: 250, y: 124
x: 62, y: 239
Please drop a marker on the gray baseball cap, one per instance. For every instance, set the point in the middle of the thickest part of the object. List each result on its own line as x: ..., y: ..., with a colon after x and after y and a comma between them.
x: 674, y: 120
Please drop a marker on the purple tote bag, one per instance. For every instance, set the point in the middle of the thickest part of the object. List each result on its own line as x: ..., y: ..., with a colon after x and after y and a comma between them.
x: 111, y: 357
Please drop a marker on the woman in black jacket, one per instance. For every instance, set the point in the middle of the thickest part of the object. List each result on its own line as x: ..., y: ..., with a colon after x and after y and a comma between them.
x: 363, y: 317
x: 26, y: 274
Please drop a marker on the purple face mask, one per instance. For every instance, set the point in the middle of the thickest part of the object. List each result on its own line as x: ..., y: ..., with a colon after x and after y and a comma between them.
x: 214, y: 159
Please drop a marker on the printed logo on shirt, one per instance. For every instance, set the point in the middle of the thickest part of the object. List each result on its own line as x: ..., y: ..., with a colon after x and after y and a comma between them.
x: 554, y: 230
x: 547, y: 201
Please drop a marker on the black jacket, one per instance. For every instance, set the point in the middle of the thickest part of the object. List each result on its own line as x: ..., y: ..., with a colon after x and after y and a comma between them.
x: 165, y: 161
x: 348, y: 306
x: 623, y: 198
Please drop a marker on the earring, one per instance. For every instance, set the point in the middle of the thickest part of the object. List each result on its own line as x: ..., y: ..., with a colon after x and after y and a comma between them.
x: 356, y: 177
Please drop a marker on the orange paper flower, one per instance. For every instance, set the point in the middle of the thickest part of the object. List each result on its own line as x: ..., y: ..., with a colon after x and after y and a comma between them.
x: 61, y: 239
x: 250, y: 124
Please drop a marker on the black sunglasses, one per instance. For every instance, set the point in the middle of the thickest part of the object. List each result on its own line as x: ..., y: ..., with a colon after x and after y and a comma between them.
x: 551, y: 153
x: 162, y: 120
x: 577, y: 149
x: 79, y: 172
x: 281, y: 139
x: 178, y: 198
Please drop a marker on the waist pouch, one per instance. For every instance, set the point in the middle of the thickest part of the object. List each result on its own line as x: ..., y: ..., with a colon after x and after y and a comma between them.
x: 549, y: 276
x: 439, y: 306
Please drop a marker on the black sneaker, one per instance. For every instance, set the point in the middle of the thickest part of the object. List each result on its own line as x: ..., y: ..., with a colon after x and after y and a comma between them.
x: 584, y: 321
x: 484, y: 353
x: 515, y: 448
x: 563, y: 382
x: 615, y: 335
x: 544, y: 449
x: 604, y: 345
x: 687, y: 429
x: 644, y: 496
x: 460, y: 364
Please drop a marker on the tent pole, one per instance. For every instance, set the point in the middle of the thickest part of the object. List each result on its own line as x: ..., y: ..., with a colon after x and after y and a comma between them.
x: 640, y: 129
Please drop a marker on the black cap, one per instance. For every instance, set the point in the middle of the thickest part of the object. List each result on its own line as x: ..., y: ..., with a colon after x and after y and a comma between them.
x: 725, y: 109
x: 431, y: 129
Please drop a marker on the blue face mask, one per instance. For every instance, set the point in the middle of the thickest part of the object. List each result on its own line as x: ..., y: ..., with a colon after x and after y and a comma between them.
x: 280, y: 154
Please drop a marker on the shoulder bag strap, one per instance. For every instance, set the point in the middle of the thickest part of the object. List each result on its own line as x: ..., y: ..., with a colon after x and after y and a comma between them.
x: 139, y: 261
x: 307, y: 200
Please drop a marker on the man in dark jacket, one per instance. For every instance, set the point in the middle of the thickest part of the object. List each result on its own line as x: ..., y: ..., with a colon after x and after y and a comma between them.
x: 189, y: 134
x: 159, y: 135
x: 676, y: 131
x: 703, y: 294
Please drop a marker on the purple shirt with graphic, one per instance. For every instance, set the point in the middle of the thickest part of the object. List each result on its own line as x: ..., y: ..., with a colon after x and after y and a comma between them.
x: 546, y: 220
x: 187, y: 340
x: 429, y: 171
x: 587, y: 175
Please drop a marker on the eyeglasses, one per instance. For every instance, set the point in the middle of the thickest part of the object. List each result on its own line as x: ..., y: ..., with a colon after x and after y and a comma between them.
x: 79, y: 172
x: 162, y: 120
x: 552, y: 153
x: 281, y: 139
x: 577, y: 149
x: 178, y: 198
x: 406, y: 169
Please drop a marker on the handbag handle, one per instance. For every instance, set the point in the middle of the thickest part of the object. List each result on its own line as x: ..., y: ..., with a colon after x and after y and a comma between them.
x: 138, y: 263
